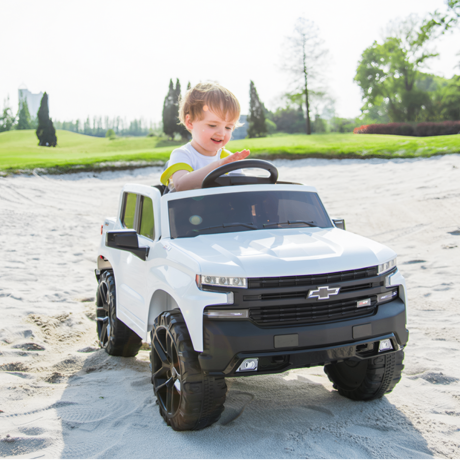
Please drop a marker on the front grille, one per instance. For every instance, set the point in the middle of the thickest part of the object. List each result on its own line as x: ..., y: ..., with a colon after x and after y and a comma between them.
x: 303, y: 294
x: 309, y: 280
x: 310, y: 312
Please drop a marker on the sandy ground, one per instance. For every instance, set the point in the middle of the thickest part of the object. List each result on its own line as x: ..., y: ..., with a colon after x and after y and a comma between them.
x: 61, y: 397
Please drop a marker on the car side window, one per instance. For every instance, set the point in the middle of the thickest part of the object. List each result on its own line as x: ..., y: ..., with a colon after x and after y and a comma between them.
x: 147, y: 227
x: 129, y: 210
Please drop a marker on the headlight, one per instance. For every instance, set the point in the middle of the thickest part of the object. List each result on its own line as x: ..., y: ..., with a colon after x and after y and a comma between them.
x: 221, y: 281
x: 383, y: 268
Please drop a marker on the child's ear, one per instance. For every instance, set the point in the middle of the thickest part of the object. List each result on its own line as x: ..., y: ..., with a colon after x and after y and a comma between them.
x: 188, y: 123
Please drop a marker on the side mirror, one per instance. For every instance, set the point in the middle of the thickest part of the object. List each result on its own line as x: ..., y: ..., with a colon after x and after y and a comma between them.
x: 339, y: 223
x: 126, y: 240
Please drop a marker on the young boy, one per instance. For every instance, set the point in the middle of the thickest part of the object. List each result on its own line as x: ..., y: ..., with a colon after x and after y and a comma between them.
x: 210, y: 113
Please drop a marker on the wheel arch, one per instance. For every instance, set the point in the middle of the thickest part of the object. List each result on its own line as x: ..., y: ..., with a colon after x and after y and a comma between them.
x: 103, y: 263
x: 161, y: 301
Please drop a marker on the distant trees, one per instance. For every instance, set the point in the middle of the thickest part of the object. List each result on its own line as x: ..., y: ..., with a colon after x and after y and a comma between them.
x: 24, y: 121
x: 388, y: 71
x: 7, y: 118
x: 304, y: 59
x: 394, y: 86
x: 256, y: 118
x: 171, y: 111
x: 171, y: 125
x: 180, y: 128
x: 45, y: 131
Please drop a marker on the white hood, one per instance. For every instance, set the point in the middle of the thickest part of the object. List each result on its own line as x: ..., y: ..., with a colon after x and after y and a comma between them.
x: 282, y: 252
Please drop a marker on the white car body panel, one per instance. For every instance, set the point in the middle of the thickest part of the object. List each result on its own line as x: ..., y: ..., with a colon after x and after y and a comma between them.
x: 172, y: 264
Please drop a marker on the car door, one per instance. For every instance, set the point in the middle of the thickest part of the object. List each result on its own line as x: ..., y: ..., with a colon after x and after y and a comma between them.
x: 133, y: 292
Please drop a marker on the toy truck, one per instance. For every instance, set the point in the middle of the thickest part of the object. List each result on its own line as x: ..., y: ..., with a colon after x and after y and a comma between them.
x: 246, y: 276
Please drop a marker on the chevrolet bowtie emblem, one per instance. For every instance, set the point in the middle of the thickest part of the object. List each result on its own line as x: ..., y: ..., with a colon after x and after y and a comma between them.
x: 323, y: 292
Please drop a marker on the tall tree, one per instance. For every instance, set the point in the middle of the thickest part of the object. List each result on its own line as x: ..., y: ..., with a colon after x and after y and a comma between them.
x: 180, y: 128
x: 304, y: 60
x: 388, y: 71
x: 7, y: 118
x: 24, y: 116
x: 170, y: 112
x: 256, y: 119
x: 45, y: 131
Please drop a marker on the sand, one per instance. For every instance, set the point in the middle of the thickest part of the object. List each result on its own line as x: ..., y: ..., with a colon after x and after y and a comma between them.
x: 62, y: 397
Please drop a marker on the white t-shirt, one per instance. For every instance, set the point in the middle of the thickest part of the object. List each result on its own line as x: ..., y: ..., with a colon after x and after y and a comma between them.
x: 187, y: 154
x: 186, y: 158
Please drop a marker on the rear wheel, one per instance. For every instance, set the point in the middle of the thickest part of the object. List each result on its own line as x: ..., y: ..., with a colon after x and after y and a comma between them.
x: 117, y: 338
x: 188, y: 399
x: 367, y: 379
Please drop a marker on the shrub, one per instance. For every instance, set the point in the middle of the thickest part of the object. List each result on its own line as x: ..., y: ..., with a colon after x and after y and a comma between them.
x: 407, y: 129
x: 110, y: 133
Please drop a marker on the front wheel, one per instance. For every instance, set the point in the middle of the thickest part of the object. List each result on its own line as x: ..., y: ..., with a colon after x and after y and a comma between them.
x: 117, y: 338
x: 188, y: 399
x: 367, y: 379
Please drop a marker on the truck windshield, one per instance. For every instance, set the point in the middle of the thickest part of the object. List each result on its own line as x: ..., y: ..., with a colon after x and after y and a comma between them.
x: 244, y: 212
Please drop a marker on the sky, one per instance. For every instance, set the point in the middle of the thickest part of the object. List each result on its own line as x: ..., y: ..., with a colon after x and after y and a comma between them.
x: 115, y: 58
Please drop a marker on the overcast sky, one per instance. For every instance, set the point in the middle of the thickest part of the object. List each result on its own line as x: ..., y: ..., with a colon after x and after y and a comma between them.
x: 116, y: 57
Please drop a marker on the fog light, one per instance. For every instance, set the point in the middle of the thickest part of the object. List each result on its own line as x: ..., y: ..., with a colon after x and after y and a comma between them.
x: 250, y: 364
x: 387, y: 296
x: 385, y: 345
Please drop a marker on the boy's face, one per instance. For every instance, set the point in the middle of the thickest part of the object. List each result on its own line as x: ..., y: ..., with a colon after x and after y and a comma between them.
x: 211, y: 133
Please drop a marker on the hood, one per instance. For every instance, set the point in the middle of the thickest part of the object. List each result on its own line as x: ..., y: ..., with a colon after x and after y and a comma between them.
x: 282, y: 252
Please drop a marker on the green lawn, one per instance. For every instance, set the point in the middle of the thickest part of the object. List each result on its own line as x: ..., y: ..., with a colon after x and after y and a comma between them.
x: 19, y: 149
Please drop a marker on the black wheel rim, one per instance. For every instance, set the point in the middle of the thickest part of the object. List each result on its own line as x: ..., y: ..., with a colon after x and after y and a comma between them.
x: 104, y: 319
x: 166, y: 375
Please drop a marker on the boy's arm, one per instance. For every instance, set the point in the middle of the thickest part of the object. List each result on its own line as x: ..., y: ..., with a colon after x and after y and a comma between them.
x: 184, y: 180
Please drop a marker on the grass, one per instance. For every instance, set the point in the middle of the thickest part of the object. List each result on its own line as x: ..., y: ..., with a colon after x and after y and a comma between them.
x: 19, y: 149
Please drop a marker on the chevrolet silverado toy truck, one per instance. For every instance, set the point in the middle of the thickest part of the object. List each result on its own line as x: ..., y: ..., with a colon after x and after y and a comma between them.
x: 244, y: 277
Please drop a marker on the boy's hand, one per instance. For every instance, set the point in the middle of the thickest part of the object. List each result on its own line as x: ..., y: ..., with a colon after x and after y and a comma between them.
x: 235, y: 157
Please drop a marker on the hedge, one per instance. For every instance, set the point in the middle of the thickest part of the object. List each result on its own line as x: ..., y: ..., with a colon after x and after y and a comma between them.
x: 407, y: 129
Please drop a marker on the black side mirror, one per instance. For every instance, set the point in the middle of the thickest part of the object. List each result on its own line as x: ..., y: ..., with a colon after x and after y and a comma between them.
x: 339, y: 223
x: 126, y: 241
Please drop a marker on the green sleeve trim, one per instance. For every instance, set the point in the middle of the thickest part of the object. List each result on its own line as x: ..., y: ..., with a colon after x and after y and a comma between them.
x: 225, y: 153
x: 173, y: 169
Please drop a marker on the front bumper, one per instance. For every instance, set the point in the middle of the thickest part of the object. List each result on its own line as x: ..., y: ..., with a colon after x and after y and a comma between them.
x: 228, y: 342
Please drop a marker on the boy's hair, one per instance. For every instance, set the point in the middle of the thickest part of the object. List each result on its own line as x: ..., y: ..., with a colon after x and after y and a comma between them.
x: 217, y: 98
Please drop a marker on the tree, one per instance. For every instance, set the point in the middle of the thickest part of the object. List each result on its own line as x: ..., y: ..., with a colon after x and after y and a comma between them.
x: 170, y: 111
x: 256, y: 119
x: 180, y: 128
x: 304, y: 60
x: 7, y: 118
x: 387, y: 72
x: 438, y: 23
x: 45, y: 131
x: 24, y: 116
x: 441, y: 22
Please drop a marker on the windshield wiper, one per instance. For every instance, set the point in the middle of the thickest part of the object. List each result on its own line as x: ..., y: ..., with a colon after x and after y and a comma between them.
x: 232, y: 224
x: 292, y: 222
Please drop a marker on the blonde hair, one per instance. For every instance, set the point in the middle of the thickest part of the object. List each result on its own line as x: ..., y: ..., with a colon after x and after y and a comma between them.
x: 213, y: 96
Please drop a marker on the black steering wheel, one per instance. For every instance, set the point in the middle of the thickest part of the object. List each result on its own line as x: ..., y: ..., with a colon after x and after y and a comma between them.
x: 214, y: 179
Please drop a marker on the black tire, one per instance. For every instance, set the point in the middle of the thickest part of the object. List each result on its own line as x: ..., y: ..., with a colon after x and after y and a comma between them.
x: 368, y: 379
x: 117, y: 338
x: 188, y: 399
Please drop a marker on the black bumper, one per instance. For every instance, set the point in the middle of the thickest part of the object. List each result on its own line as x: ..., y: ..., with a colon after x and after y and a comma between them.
x: 228, y: 342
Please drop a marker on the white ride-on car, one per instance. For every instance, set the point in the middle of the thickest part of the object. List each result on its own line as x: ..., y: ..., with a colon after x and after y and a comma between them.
x: 243, y: 277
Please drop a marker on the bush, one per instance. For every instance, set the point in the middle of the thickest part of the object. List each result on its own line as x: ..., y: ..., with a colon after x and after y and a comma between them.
x: 110, y: 133
x: 342, y: 125
x: 406, y: 129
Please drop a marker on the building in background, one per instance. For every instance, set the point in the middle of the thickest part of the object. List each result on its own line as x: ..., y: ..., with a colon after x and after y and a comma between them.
x: 33, y: 100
